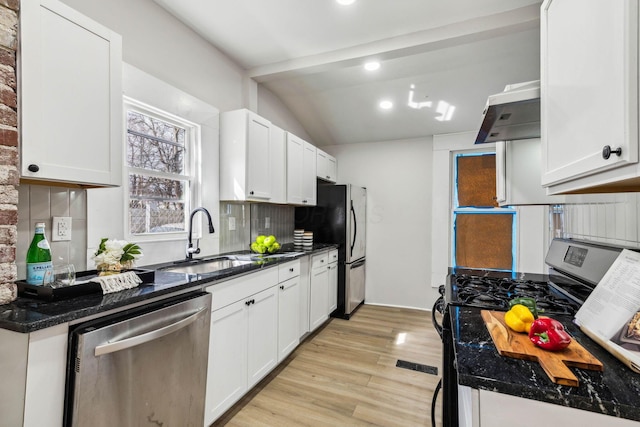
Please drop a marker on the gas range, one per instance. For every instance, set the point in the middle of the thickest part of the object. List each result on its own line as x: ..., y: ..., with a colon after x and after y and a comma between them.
x: 489, y: 291
x: 575, y: 267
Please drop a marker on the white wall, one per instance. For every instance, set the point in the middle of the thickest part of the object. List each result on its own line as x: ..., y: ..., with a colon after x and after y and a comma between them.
x: 398, y: 176
x: 156, y: 42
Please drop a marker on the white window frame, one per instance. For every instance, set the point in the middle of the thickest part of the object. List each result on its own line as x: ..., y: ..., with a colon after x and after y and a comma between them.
x: 192, y: 163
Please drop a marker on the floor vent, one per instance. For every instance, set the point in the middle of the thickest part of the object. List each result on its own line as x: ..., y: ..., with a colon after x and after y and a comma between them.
x: 417, y: 367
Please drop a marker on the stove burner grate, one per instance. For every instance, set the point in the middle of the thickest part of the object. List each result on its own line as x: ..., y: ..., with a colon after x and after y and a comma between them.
x: 495, y: 293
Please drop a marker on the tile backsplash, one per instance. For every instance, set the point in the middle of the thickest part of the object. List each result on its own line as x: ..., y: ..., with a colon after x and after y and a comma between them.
x: 240, y: 223
x: 39, y: 203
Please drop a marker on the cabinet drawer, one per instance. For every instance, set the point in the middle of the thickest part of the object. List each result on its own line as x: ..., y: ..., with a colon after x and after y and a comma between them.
x: 288, y: 270
x: 333, y: 256
x: 233, y: 290
x: 320, y: 260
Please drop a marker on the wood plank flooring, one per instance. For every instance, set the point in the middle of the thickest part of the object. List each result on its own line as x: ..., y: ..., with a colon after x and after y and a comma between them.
x: 345, y: 374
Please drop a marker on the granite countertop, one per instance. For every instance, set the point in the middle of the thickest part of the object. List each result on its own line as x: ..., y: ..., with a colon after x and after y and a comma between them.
x: 615, y: 391
x: 27, y: 314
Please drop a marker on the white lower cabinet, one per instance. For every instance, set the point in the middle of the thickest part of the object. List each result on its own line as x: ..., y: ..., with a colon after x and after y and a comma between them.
x: 319, y: 290
x: 333, y: 280
x: 243, y: 338
x: 288, y: 309
x: 305, y: 283
x: 500, y: 410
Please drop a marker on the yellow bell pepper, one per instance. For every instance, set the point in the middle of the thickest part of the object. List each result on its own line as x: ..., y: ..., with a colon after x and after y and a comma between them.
x: 519, y: 318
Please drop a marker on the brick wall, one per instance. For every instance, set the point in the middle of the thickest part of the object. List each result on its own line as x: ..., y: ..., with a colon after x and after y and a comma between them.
x: 9, y: 176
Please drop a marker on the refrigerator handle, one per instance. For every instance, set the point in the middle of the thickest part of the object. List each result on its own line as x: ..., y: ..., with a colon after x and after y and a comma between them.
x: 149, y: 336
x: 355, y: 227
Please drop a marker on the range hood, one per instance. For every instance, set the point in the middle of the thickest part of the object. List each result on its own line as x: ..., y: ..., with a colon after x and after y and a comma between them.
x: 512, y: 114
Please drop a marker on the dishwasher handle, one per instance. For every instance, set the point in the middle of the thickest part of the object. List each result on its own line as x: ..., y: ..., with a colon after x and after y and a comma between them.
x: 148, y: 336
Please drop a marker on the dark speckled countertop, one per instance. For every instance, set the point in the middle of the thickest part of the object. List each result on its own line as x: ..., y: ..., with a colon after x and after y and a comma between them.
x: 29, y: 314
x: 615, y: 391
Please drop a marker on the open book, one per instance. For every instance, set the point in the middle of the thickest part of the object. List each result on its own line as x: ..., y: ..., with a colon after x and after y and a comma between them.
x: 611, y: 314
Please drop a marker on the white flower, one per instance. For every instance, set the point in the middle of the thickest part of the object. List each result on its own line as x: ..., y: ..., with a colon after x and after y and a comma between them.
x: 113, y: 251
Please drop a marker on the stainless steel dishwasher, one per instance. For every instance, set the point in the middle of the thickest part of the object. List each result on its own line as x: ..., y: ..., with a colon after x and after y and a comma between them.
x: 142, y: 367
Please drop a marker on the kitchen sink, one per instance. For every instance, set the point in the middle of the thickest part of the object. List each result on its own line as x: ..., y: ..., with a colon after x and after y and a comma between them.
x: 219, y: 263
x: 208, y: 265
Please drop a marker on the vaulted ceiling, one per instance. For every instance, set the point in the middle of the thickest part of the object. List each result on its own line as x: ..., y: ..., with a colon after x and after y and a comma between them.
x: 437, y: 58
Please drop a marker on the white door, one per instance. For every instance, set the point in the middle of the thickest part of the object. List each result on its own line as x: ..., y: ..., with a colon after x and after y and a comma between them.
x: 589, y: 87
x: 227, y: 368
x: 357, y: 223
x: 262, y: 347
x: 289, y: 316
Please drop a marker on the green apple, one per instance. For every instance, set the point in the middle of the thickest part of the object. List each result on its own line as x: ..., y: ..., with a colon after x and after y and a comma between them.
x: 260, y: 239
x: 268, y: 241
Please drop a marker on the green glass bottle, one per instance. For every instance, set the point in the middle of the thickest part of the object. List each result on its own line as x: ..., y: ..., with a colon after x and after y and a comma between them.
x: 39, y: 265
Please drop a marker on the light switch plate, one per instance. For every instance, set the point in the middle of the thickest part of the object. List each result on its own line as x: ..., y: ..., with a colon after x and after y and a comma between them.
x: 61, y: 229
x: 232, y: 223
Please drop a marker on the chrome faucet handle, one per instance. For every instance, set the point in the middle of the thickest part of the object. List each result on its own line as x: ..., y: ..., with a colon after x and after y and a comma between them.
x: 191, y: 250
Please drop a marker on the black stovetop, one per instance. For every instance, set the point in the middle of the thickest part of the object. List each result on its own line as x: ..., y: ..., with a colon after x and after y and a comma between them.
x: 492, y: 290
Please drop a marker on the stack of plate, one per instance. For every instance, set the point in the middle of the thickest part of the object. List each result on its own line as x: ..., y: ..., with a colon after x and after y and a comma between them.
x: 297, y: 238
x: 307, y: 240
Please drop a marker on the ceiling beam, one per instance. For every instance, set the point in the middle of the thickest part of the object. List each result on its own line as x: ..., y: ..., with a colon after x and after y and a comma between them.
x: 473, y: 30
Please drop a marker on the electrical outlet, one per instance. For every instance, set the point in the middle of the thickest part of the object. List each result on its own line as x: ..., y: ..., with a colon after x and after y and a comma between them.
x: 267, y: 222
x: 232, y: 223
x: 61, y: 229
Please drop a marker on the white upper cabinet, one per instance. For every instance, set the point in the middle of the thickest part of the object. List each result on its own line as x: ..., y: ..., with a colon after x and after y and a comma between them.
x: 518, y: 174
x: 589, y: 96
x: 70, y: 96
x: 309, y: 175
x: 326, y: 166
x: 278, y: 165
x: 245, y: 156
x: 301, y: 171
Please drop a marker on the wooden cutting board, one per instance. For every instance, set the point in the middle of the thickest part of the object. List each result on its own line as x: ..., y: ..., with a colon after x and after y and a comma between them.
x: 555, y: 363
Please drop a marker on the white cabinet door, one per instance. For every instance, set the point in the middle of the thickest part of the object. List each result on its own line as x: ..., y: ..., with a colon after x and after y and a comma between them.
x: 305, y: 280
x: 227, y: 366
x: 309, y: 175
x: 70, y: 96
x: 245, y: 156
x: 333, y: 287
x: 278, y: 165
x: 258, y: 158
x: 589, y: 89
x: 262, y: 346
x: 325, y: 166
x: 288, y: 316
x: 518, y: 174
x: 332, y: 169
x: 319, y: 297
x: 295, y: 155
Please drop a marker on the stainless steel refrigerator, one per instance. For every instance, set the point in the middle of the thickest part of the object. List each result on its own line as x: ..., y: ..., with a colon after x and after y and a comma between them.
x: 340, y: 217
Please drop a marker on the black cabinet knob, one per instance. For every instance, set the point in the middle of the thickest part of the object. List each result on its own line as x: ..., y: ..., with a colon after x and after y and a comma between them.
x: 33, y: 168
x: 251, y: 192
x: 282, y: 287
x: 607, y: 152
x: 291, y: 269
x: 247, y: 302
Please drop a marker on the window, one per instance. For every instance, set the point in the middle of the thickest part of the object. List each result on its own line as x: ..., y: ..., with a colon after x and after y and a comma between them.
x: 161, y: 174
x: 484, y: 234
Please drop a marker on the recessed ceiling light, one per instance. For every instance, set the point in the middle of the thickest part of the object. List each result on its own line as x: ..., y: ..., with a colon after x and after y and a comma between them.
x: 386, y: 104
x: 371, y: 65
x: 345, y: 2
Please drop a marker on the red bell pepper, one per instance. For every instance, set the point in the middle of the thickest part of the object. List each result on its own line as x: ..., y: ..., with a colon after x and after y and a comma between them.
x: 549, y: 334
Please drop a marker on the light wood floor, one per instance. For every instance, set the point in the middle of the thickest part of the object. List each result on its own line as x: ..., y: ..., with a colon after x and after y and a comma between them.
x: 346, y: 375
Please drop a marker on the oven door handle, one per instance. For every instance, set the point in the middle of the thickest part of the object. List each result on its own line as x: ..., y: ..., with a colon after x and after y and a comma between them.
x: 438, y: 306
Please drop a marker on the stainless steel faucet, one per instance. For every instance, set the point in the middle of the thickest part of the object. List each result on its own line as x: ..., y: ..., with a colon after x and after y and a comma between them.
x: 190, y: 249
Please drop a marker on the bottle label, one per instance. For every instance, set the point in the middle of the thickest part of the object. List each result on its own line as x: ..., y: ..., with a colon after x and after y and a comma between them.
x: 43, y: 244
x: 39, y: 273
